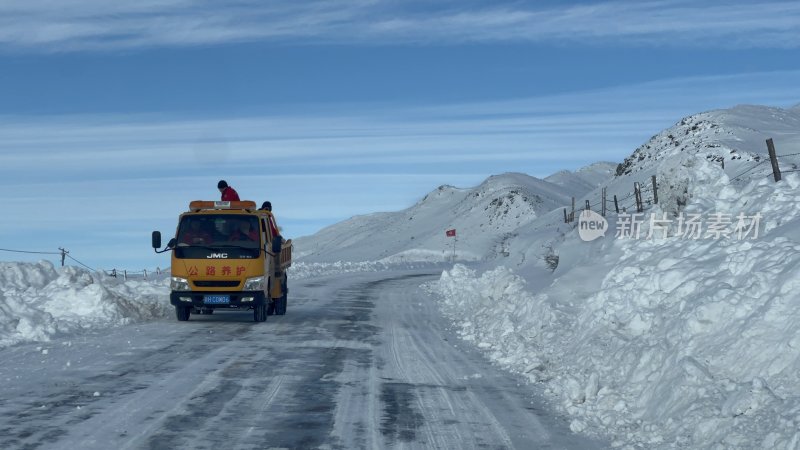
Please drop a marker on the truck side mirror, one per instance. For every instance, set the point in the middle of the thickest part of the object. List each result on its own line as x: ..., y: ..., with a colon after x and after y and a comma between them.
x: 277, y: 242
x: 172, y: 243
x: 156, y: 238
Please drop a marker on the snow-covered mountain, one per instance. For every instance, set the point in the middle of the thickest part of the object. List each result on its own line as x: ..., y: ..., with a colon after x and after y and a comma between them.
x: 490, y: 217
x: 481, y: 216
x: 583, y: 180
x: 735, y: 136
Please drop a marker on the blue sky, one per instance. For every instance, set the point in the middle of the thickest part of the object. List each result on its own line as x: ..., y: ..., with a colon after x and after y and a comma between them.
x: 113, y: 115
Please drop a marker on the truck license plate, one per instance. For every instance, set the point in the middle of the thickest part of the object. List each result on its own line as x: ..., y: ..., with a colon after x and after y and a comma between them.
x: 217, y: 299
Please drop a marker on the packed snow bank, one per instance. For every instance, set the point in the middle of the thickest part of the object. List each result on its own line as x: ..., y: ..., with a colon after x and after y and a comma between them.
x: 302, y: 270
x: 37, y: 301
x: 664, y: 342
x: 421, y: 256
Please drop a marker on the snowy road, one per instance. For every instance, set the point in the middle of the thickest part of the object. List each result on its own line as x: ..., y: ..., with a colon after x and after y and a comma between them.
x: 359, y: 361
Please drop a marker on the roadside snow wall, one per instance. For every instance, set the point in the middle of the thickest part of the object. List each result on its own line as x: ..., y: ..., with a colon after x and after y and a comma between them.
x: 38, y: 301
x: 660, y: 343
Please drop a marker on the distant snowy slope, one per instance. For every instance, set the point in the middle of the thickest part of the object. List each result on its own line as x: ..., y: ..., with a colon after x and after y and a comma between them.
x: 736, y: 136
x: 506, y: 210
x: 481, y: 216
x: 583, y: 180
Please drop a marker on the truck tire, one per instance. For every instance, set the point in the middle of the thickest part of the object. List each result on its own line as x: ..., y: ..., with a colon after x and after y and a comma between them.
x: 182, y: 313
x: 260, y: 313
x: 280, y: 303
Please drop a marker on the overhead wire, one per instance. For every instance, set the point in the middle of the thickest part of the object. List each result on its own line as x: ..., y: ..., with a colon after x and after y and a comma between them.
x: 748, y: 170
x: 26, y: 251
x: 84, y: 265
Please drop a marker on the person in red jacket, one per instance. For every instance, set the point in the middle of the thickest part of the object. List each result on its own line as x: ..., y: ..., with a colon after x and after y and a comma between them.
x: 228, y: 193
x: 196, y: 234
x: 244, y: 232
x: 267, y: 206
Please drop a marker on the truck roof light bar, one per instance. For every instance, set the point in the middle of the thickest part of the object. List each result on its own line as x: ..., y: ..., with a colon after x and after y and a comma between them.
x: 199, y: 205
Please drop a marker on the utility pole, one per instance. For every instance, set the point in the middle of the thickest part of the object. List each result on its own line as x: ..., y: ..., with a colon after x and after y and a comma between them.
x: 63, y: 255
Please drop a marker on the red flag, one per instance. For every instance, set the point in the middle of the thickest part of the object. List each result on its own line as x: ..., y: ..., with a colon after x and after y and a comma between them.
x: 450, y: 233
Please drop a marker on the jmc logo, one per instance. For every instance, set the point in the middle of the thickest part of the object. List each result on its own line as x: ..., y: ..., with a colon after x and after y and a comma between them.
x: 591, y: 225
x: 217, y: 256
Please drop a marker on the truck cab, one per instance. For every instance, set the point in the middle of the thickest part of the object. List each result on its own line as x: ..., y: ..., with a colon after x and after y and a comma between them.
x: 227, y: 256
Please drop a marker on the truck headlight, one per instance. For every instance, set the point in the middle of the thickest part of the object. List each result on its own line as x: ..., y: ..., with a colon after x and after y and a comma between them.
x: 254, y: 284
x: 179, y: 284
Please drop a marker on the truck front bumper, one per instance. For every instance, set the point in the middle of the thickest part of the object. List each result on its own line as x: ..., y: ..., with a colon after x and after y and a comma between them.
x: 238, y: 299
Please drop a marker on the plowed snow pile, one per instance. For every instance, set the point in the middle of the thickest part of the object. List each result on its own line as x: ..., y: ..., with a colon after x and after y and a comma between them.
x: 38, y: 301
x: 661, y: 343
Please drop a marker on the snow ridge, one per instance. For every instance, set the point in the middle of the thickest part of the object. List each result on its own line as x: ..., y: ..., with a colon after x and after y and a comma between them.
x: 483, y: 215
x: 38, y: 302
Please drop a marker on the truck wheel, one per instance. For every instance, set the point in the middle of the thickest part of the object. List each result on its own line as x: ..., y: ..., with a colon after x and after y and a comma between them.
x: 280, y: 305
x: 260, y: 313
x: 182, y: 313
x: 271, y: 307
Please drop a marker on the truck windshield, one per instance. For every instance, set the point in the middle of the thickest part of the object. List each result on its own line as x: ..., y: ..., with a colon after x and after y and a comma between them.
x: 235, y: 235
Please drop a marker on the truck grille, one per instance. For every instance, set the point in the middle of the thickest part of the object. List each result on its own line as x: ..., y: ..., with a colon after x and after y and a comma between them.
x: 222, y: 283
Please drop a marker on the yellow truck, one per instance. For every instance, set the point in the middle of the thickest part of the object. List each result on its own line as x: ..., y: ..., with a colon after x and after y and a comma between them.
x: 227, y: 255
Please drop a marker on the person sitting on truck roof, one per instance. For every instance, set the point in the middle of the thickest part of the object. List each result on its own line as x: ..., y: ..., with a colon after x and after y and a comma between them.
x: 196, y: 234
x: 244, y: 232
x: 229, y: 194
x: 266, y: 206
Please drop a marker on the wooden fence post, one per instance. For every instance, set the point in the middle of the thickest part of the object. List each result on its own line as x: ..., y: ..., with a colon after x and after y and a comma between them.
x: 572, y: 214
x: 145, y: 274
x: 565, y: 216
x: 638, y: 194
x: 125, y: 275
x: 603, y: 203
x: 773, y: 158
x: 616, y: 205
x: 655, y: 190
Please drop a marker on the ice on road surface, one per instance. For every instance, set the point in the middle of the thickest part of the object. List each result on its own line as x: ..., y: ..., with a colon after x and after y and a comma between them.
x: 359, y: 361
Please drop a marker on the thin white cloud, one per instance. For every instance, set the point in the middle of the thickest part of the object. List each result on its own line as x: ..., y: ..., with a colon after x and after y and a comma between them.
x: 96, y: 25
x: 567, y: 129
x: 132, y: 174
